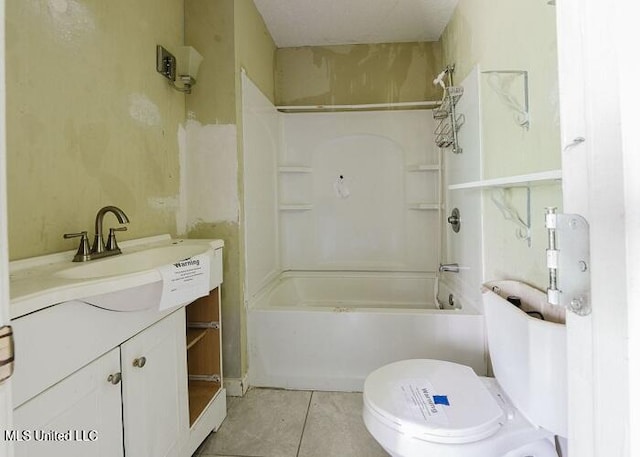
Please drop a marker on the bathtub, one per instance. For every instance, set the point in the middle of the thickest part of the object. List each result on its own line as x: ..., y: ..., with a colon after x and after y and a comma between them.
x: 328, y: 331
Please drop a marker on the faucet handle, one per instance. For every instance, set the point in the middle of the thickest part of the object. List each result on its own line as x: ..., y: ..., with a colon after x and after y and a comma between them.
x: 112, y: 243
x: 75, y: 235
x: 82, y: 255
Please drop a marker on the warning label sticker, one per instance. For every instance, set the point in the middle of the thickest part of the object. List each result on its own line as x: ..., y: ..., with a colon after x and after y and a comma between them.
x: 422, y: 401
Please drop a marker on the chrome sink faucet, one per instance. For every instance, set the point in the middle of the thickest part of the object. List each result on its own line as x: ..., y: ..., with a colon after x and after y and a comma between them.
x: 99, y: 249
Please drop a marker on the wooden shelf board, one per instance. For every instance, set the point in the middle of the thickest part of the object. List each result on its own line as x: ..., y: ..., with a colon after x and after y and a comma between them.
x: 205, y: 309
x: 194, y: 335
x: 204, y: 358
x: 200, y: 395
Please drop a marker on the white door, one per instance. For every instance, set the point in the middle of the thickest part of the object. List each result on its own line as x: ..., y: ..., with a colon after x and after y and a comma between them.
x: 86, y: 407
x: 599, y: 98
x: 5, y: 387
x: 154, y: 389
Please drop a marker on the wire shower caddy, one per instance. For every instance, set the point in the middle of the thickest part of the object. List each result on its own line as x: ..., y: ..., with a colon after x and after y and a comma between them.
x: 446, y: 132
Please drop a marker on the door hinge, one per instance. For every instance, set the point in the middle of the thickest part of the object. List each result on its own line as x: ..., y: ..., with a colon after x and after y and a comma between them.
x: 568, y: 262
x: 7, y: 355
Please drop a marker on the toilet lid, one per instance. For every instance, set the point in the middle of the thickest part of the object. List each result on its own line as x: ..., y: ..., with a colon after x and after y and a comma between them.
x: 433, y: 400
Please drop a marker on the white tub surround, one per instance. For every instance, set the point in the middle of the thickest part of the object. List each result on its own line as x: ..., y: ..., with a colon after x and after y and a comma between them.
x: 328, y: 331
x: 343, y: 239
x: 365, y: 186
x: 261, y: 141
x: 466, y: 246
x: 340, y: 191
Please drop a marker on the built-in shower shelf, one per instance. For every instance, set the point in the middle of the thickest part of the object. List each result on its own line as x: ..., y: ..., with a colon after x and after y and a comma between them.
x: 533, y: 179
x: 294, y: 169
x: 423, y: 167
x: 424, y: 206
x: 296, y: 207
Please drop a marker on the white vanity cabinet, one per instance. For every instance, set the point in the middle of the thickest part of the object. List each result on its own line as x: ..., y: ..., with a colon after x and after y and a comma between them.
x: 138, y: 390
x: 154, y: 389
x: 95, y: 382
x: 85, y: 407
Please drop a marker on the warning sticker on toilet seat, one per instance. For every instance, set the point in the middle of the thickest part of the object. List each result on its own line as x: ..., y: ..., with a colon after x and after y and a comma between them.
x: 419, y: 398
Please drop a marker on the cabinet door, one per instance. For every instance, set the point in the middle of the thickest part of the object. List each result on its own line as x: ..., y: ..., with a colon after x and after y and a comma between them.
x: 154, y: 389
x: 78, y: 417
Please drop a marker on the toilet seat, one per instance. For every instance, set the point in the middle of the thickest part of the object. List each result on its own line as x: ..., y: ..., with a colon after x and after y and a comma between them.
x: 434, y: 401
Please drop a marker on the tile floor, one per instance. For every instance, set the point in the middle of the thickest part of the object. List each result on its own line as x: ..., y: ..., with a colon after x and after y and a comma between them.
x: 288, y: 423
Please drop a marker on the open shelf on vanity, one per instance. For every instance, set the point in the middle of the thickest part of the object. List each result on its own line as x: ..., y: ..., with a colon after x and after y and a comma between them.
x: 200, y: 395
x: 203, y: 352
x: 194, y: 335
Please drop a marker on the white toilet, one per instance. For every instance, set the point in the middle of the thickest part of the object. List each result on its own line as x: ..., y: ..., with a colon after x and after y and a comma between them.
x: 424, y: 408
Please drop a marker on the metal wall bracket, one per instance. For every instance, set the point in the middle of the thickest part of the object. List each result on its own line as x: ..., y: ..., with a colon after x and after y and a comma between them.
x: 499, y: 81
x: 568, y: 260
x: 165, y: 63
x: 499, y: 197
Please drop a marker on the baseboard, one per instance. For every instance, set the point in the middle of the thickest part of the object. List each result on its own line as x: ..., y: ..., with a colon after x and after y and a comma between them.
x: 236, y: 387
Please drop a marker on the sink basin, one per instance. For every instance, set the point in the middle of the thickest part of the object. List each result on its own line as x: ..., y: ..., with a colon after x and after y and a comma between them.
x: 126, y: 282
x: 131, y: 263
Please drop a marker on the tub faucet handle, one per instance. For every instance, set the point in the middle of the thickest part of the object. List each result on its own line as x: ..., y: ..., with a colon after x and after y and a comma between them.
x: 82, y: 255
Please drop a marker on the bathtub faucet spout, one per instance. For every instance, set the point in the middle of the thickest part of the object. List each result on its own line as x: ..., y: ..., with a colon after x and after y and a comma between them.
x: 450, y: 267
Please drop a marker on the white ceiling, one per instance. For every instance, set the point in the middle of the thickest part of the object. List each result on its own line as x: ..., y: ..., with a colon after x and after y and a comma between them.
x: 324, y: 22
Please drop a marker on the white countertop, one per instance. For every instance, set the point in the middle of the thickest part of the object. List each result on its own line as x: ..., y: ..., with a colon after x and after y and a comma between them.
x: 34, y: 285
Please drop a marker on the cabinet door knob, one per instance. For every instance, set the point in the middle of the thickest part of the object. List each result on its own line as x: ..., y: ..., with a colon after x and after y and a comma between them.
x: 115, y: 378
x: 140, y: 362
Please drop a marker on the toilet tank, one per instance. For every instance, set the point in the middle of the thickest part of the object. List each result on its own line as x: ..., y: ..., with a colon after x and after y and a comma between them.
x: 528, y: 355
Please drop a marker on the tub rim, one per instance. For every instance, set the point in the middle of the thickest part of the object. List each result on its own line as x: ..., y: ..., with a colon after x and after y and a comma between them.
x: 260, y: 300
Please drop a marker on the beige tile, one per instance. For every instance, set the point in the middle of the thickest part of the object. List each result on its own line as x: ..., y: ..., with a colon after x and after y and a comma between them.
x: 335, y: 428
x: 232, y: 401
x: 263, y: 423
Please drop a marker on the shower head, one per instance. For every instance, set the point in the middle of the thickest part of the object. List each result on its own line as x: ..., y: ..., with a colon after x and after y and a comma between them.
x: 439, y: 79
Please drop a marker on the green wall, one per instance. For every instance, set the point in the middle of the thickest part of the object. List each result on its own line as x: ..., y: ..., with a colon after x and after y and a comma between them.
x: 209, y: 27
x: 89, y: 121
x: 357, y: 74
x: 255, y: 49
x: 230, y: 35
x: 507, y: 35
